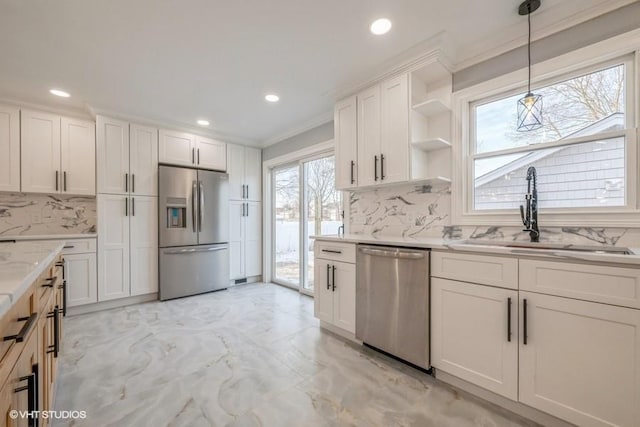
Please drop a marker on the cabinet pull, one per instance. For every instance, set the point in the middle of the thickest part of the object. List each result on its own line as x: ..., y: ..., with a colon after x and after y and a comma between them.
x: 509, y: 319
x: 333, y: 277
x: 375, y: 168
x: 52, y: 282
x: 524, y: 321
x: 63, y: 286
x: 247, y: 191
x: 24, y: 331
x: 133, y: 182
x: 331, y: 251
x: 353, y: 181
x: 126, y: 206
x: 133, y: 206
x: 55, y: 348
x: 64, y: 181
x: 57, y: 178
x: 193, y: 155
x: 247, y: 208
x: 198, y: 156
x: 68, y: 247
x: 126, y: 182
x: 32, y: 390
x: 328, y: 273
x: 381, y: 167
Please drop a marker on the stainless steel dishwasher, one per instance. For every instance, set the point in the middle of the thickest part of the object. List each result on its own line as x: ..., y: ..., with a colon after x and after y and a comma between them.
x: 392, y: 301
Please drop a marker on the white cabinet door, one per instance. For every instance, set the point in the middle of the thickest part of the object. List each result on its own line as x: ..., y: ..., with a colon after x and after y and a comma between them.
x: 469, y: 334
x: 345, y: 122
x: 581, y: 362
x: 211, y: 154
x: 343, y: 285
x: 235, y: 169
x: 78, y: 156
x: 40, y: 146
x: 236, y: 239
x: 143, y: 164
x: 253, y: 173
x: 394, y: 165
x: 112, y: 141
x: 323, y: 292
x: 176, y: 148
x: 113, y: 246
x: 144, y: 245
x: 81, y: 277
x: 369, y: 135
x: 9, y: 148
x: 253, y: 239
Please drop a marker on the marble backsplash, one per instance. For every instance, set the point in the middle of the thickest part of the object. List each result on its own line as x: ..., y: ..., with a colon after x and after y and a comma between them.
x: 425, y: 211
x: 24, y: 214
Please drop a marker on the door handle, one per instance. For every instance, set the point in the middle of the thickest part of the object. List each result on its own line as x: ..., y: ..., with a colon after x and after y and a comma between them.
x: 509, y: 319
x: 194, y: 196
x: 353, y: 181
x: 57, y: 178
x: 381, y: 167
x: 333, y: 277
x: 126, y: 206
x: 126, y: 182
x: 198, y: 156
x: 133, y: 206
x: 247, y: 209
x: 524, y: 321
x: 193, y: 155
x: 133, y: 182
x: 328, y: 273
x: 64, y: 181
x: 200, y: 203
x: 375, y: 167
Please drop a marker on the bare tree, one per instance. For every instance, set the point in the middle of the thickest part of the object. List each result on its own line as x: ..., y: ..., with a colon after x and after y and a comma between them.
x: 320, y: 181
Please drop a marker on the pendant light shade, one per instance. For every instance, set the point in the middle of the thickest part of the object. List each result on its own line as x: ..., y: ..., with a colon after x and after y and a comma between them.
x: 530, y: 106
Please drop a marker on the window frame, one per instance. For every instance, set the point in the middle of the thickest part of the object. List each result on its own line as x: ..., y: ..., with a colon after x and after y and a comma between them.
x: 619, y: 50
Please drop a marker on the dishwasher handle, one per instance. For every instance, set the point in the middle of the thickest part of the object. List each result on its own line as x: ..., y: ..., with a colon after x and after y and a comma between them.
x: 395, y: 253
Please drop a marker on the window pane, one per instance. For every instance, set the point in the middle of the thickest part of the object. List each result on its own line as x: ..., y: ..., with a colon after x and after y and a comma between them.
x: 287, y: 225
x: 580, y: 175
x: 584, y: 105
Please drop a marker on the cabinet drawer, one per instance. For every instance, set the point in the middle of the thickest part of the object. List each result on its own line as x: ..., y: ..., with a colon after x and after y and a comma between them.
x: 11, y: 325
x: 336, y: 251
x: 79, y: 246
x: 597, y: 283
x: 486, y: 270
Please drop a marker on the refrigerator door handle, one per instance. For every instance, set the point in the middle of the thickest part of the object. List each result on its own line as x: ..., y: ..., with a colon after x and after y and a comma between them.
x: 194, y: 196
x: 201, y: 204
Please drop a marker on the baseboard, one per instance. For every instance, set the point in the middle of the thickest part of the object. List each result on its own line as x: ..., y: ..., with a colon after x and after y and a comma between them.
x: 341, y: 332
x: 244, y: 281
x: 515, y: 407
x: 106, y: 305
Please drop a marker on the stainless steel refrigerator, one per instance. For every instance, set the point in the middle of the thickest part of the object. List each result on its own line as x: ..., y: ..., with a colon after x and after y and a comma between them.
x: 193, y: 217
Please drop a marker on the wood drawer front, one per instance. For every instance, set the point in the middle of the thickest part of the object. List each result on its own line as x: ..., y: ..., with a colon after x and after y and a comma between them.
x: 336, y: 251
x: 45, y: 284
x: 597, y: 283
x: 79, y: 246
x: 487, y: 270
x: 10, y: 325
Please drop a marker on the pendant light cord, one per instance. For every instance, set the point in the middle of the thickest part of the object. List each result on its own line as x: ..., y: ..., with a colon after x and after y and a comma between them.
x: 529, y: 50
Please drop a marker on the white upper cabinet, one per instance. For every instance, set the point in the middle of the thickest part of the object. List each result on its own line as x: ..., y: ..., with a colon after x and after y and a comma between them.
x: 78, y: 156
x: 9, y: 148
x: 177, y: 148
x: 394, y: 148
x: 40, y: 145
x: 143, y: 163
x: 113, y: 155
x: 346, y: 143
x: 211, y: 154
x: 369, y: 134
x: 244, y: 166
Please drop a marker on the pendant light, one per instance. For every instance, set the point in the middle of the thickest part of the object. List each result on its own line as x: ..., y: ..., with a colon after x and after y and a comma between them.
x: 530, y: 106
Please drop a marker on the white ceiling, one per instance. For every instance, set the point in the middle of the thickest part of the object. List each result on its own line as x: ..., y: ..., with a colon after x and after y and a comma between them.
x: 174, y: 62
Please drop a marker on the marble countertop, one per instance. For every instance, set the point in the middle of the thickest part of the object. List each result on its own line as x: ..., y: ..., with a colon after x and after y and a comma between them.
x: 20, y: 264
x: 461, y: 245
x: 51, y: 237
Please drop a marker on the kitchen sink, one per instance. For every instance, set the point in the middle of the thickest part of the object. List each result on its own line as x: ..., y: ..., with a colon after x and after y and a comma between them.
x: 613, y: 250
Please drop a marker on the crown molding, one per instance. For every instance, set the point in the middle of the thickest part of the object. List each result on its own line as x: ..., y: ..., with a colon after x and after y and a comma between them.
x: 305, y: 126
x: 71, y: 111
x: 544, y: 23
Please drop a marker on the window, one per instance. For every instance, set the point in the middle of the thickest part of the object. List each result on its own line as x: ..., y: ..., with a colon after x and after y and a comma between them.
x: 585, y: 152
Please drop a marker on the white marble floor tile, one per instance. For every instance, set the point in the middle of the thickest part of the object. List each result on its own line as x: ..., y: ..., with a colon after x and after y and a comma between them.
x: 253, y: 355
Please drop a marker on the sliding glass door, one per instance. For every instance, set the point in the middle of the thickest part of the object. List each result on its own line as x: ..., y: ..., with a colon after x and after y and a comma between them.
x: 305, y: 204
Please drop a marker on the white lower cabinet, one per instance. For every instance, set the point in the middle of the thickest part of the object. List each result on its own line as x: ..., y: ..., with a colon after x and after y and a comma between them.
x: 473, y: 336
x: 335, y: 293
x: 245, y: 241
x: 80, y: 275
x: 581, y: 361
x: 127, y: 246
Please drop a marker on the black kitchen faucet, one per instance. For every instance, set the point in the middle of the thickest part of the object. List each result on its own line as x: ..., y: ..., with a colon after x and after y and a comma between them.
x: 530, y: 220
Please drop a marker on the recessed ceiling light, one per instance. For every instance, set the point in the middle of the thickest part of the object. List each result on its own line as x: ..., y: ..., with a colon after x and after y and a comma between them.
x: 203, y: 122
x: 380, y: 26
x: 58, y: 92
x: 272, y: 97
